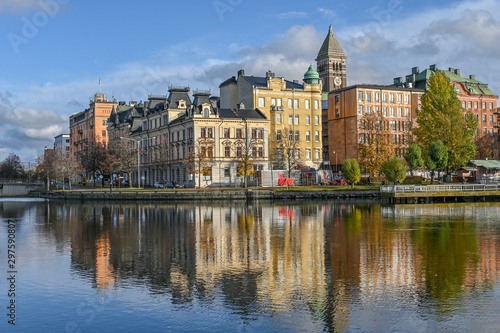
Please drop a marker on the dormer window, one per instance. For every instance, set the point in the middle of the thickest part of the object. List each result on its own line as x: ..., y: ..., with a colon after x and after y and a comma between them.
x: 206, y: 112
x: 182, y: 104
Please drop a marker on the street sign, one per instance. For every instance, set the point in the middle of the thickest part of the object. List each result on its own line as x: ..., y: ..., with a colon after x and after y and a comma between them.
x: 114, y: 175
x: 143, y: 177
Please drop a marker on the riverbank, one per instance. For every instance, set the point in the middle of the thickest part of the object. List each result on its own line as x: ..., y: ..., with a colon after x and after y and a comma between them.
x: 293, y: 193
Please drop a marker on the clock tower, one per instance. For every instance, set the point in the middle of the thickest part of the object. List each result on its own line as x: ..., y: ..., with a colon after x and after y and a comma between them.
x: 331, y: 63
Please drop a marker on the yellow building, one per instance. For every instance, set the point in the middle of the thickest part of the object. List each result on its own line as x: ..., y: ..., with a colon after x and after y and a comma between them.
x: 294, y: 111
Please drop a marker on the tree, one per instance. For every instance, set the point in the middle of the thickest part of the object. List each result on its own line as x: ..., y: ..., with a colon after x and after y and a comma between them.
x: 437, y: 158
x: 375, y: 144
x: 124, y: 154
x: 486, y: 147
x: 286, y: 155
x: 96, y: 159
x: 64, y: 166
x: 414, y: 157
x: 160, y: 155
x: 11, y: 167
x: 394, y: 170
x: 200, y: 159
x: 441, y: 118
x: 351, y: 171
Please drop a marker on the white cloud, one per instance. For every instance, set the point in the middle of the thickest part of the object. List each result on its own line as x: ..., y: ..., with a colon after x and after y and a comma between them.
x: 328, y: 13
x: 292, y: 15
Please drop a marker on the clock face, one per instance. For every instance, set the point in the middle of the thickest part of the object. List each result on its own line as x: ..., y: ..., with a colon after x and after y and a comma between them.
x: 337, y: 81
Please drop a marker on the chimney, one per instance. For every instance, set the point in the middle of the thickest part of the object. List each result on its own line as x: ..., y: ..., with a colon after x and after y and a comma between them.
x: 457, y: 71
x: 433, y: 67
x: 398, y: 81
x: 241, y: 72
x: 451, y: 69
x: 269, y: 74
x: 472, y: 77
x: 415, y: 70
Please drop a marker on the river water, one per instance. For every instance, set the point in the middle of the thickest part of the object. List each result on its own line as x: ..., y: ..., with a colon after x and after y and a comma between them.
x: 229, y: 267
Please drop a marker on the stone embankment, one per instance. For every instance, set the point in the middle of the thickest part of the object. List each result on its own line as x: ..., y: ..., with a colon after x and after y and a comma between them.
x: 209, y: 194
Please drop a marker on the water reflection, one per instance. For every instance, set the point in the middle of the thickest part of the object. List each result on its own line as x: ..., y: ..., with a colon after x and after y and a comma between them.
x: 337, y: 267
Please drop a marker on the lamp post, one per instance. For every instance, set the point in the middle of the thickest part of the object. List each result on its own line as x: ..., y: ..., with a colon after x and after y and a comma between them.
x: 138, y: 159
x: 334, y: 152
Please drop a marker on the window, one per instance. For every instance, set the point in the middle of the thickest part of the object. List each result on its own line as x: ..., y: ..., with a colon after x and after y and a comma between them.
x: 360, y: 96
x: 104, y: 133
x: 308, y: 119
x: 391, y: 98
x: 278, y: 118
x: 278, y: 101
x: 316, y: 120
x: 239, y: 151
x: 254, y: 151
x: 393, y: 125
x: 369, y: 97
x: 297, y: 153
x: 337, y: 113
x: 463, y: 104
x: 279, y: 153
x: 206, y: 112
x: 384, y: 97
x: 262, y: 102
x: 296, y: 119
x: 296, y: 103
x: 207, y: 173
x: 260, y: 152
x: 104, y: 122
x: 278, y: 135
x: 407, y: 112
x: 361, y: 138
x: 400, y: 112
x: 469, y: 104
x: 485, y: 132
x: 227, y: 172
x: 290, y: 119
x: 290, y: 135
x: 227, y: 151
x: 290, y: 103
x: 484, y: 105
x: 316, y: 136
x: 317, y: 154
x: 254, y: 133
x: 484, y: 119
x: 361, y: 124
x: 273, y: 101
x: 337, y: 99
x: 308, y: 104
x: 407, y: 99
x: 226, y: 132
x: 238, y: 133
x: 475, y: 105
x: 491, y: 119
x: 209, y: 132
x: 491, y: 106
x: 308, y: 136
x: 360, y: 110
x: 377, y: 97
x: 260, y: 133
x: 203, y: 133
x: 400, y: 99
x: 369, y: 109
x: 316, y: 104
x: 308, y: 154
x: 297, y: 136
x: 391, y: 114
x: 377, y: 110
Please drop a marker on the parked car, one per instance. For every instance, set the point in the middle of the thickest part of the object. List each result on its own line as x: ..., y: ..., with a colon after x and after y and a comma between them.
x: 158, y: 185
x: 173, y: 185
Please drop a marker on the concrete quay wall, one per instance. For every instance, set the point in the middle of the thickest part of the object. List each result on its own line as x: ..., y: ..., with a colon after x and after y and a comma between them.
x: 204, y: 195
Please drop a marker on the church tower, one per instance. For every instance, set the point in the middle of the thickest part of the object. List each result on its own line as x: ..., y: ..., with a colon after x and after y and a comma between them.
x: 331, y: 63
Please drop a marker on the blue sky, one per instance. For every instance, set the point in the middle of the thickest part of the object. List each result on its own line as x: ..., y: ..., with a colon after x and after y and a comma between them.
x: 54, y: 51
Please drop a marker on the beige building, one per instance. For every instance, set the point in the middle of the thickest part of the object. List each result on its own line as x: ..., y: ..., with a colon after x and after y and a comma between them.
x: 294, y: 111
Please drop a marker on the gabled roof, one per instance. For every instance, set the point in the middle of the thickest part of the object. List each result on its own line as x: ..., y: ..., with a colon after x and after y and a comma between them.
x: 487, y: 164
x: 331, y: 47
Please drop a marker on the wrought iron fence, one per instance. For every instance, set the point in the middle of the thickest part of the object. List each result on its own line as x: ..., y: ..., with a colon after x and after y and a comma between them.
x: 438, y: 188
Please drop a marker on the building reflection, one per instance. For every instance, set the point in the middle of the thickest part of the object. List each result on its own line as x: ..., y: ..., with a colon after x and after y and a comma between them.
x: 266, y: 257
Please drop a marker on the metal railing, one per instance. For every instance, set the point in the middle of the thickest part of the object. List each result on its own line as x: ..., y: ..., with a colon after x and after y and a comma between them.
x: 438, y: 188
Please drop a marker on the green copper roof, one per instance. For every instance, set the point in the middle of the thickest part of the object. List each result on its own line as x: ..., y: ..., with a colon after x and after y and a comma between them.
x: 488, y: 164
x: 331, y: 47
x: 311, y: 74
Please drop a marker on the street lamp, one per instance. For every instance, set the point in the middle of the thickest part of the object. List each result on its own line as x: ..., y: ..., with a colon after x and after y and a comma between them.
x: 334, y: 152
x: 138, y: 159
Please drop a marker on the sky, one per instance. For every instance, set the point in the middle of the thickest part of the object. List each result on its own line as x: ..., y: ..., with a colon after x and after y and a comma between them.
x: 53, y: 52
